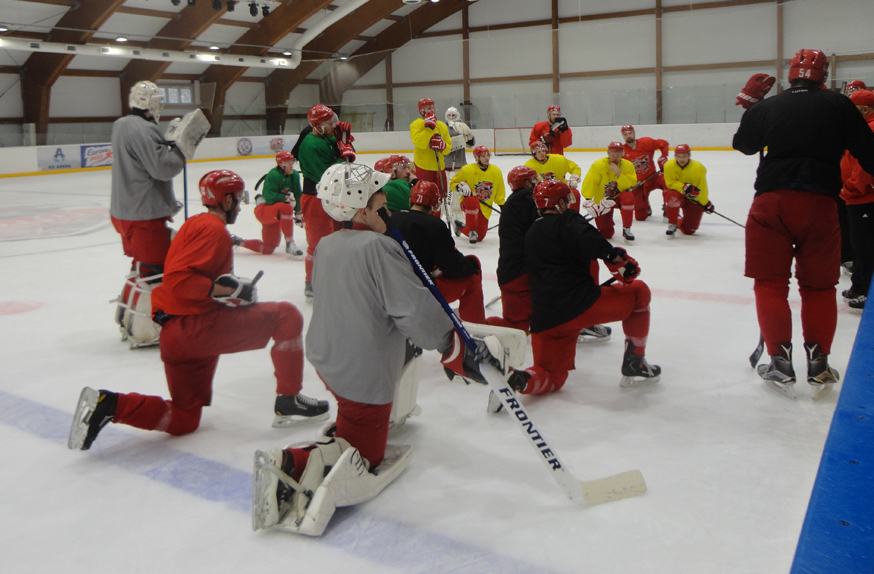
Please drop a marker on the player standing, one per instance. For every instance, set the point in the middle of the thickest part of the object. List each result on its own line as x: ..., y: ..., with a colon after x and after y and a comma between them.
x: 482, y: 186
x: 559, y: 250
x: 640, y: 152
x: 555, y: 132
x: 461, y: 137
x: 686, y: 181
x: 611, y: 178
x: 805, y: 130
x: 431, y: 139
x: 329, y: 143
x: 278, y: 208
x: 206, y: 311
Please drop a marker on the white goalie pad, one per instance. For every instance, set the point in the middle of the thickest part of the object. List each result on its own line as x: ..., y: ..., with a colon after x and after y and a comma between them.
x: 134, y: 311
x: 454, y: 201
x: 188, y: 132
x: 457, y: 142
x: 404, y: 405
x: 511, y: 352
x: 346, y: 481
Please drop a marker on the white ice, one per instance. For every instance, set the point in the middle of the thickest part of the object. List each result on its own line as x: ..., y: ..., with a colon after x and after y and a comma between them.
x: 729, y: 463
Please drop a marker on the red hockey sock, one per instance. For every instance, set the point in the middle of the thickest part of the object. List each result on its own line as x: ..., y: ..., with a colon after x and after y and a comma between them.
x: 772, y: 309
x: 819, y: 316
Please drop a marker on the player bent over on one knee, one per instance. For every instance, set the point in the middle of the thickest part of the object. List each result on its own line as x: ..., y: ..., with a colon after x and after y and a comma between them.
x: 458, y: 277
x: 686, y: 180
x: 559, y: 250
x: 206, y: 311
x: 370, y: 303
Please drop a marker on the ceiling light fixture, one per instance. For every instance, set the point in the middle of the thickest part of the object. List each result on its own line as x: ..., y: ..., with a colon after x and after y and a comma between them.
x: 213, y: 47
x: 286, y: 53
x: 121, y: 39
x: 253, y: 9
x: 231, y: 5
x: 265, y: 10
x: 192, y: 2
x: 3, y: 28
x: 217, y: 5
x: 176, y: 2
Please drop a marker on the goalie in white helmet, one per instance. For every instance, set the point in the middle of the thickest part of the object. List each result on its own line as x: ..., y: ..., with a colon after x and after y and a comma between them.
x: 370, y: 304
x: 142, y: 203
x: 461, y: 137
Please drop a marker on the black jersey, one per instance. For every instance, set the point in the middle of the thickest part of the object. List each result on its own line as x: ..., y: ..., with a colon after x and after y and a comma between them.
x: 431, y: 242
x: 517, y: 215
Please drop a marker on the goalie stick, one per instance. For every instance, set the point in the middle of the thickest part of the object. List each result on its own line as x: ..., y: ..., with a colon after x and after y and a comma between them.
x: 615, y: 487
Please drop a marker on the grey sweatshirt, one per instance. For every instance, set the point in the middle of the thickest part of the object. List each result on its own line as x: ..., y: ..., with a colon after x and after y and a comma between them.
x: 368, y: 301
x: 143, y: 168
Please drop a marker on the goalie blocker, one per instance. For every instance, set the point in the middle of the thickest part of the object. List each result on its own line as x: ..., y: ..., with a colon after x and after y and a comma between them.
x: 187, y: 132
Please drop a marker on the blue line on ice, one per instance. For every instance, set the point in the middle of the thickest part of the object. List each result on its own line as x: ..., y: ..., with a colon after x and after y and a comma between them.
x: 353, y: 530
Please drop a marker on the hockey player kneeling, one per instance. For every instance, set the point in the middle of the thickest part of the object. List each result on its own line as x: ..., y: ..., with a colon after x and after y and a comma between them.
x: 566, y: 298
x: 370, y: 304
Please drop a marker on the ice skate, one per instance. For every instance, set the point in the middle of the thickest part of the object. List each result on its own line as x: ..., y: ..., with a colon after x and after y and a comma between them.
x: 298, y: 409
x: 294, y: 252
x: 308, y: 292
x: 847, y: 268
x: 780, y: 375
x: 672, y: 230
x: 473, y: 237
x: 272, y: 489
x: 636, y: 371
x: 457, y: 226
x: 595, y: 334
x: 94, y: 411
x: 627, y: 235
x: 820, y: 376
x: 857, y: 305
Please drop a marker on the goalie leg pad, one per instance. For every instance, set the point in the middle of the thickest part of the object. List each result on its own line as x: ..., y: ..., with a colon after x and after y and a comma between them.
x: 134, y: 313
x: 348, y: 483
x: 407, y: 389
x: 512, y: 343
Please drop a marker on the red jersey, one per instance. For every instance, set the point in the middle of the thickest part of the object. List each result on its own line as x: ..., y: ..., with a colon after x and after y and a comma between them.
x: 858, y: 183
x: 201, y: 251
x: 559, y: 141
x: 641, y: 156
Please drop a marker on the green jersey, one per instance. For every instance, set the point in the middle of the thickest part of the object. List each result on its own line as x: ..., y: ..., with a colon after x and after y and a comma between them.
x: 278, y: 185
x: 316, y: 155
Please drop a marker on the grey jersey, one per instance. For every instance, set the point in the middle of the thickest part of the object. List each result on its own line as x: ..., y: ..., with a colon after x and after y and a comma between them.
x: 143, y: 168
x: 455, y: 159
x: 368, y: 301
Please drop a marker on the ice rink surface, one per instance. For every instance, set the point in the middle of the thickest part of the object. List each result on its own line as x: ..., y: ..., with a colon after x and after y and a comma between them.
x: 729, y: 464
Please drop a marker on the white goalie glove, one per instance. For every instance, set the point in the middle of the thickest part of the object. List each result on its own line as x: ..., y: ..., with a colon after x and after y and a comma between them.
x: 187, y: 132
x: 464, y: 189
x: 598, y: 209
x: 573, y: 181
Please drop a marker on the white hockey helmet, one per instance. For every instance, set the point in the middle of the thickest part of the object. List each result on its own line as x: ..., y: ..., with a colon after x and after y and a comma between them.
x: 452, y: 115
x: 345, y: 188
x: 147, y: 96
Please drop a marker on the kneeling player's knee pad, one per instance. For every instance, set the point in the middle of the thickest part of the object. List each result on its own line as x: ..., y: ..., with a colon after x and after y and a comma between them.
x: 404, y: 405
x: 134, y: 311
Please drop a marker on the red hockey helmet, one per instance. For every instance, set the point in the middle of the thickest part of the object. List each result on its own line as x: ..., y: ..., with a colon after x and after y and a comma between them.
x: 682, y: 148
x: 627, y: 128
x: 481, y: 150
x: 553, y: 108
x: 425, y: 193
x: 398, y: 160
x: 425, y: 102
x: 617, y: 146
x: 383, y: 165
x: 538, y: 145
x: 215, y: 185
x: 284, y: 156
x: 547, y: 193
x: 856, y: 85
x: 519, y: 175
x: 809, y: 65
x: 318, y: 114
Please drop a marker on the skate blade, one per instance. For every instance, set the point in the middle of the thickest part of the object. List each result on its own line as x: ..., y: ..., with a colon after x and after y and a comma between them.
x: 818, y: 390
x: 633, y: 382
x: 294, y: 257
x: 84, y: 409
x: 615, y: 487
x: 786, y: 389
x: 587, y: 340
x: 264, y: 485
x: 495, y: 405
x: 280, y: 422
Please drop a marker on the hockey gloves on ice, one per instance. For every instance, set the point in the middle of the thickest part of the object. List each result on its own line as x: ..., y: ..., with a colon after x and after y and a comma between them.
x: 347, y: 152
x: 245, y: 292
x: 430, y: 121
x: 462, y: 361
x: 691, y: 192
x: 755, y: 91
x: 623, y: 266
x: 437, y: 143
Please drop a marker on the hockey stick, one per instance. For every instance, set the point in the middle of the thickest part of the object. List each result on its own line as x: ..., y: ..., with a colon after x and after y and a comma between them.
x: 185, y: 185
x: 443, y: 191
x: 757, y: 354
x: 493, y: 301
x: 492, y: 207
x: 728, y: 218
x: 606, y: 489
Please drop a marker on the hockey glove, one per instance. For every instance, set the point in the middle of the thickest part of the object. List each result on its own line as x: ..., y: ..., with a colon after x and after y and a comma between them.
x: 662, y: 161
x: 343, y: 132
x: 547, y: 139
x: 462, y: 361
x: 709, y: 208
x: 611, y: 190
x: 463, y: 189
x: 560, y: 125
x: 471, y: 142
x: 347, y: 152
x: 597, y: 209
x: 691, y: 192
x: 755, y: 91
x: 259, y: 200
x: 437, y: 143
x: 622, y: 266
x: 430, y: 121
x: 573, y: 181
x: 245, y: 292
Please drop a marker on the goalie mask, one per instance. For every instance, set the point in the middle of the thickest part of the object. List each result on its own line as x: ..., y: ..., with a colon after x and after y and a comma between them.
x: 347, y: 187
x: 147, y: 96
x: 452, y: 115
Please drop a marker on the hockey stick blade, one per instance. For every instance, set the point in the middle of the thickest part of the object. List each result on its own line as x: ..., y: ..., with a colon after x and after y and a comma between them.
x: 490, y: 303
x: 616, y: 487
x: 757, y: 354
